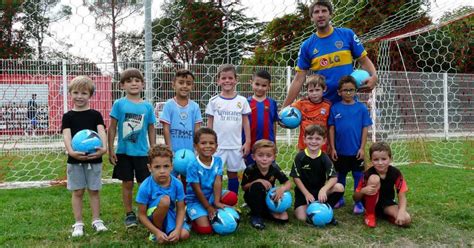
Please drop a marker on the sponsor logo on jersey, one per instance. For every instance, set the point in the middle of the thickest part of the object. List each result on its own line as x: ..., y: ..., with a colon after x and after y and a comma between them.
x: 338, y: 116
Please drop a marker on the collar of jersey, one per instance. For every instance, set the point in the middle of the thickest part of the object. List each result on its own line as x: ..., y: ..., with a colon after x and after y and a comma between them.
x: 325, y: 35
x: 307, y: 152
x: 204, y: 165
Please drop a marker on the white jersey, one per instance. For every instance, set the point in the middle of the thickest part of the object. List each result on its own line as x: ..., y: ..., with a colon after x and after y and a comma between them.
x: 227, y: 113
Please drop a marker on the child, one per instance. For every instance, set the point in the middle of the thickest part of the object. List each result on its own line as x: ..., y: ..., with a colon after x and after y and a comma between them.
x: 348, y: 122
x: 84, y: 170
x: 134, y: 120
x: 314, y: 109
x: 314, y: 174
x: 258, y: 179
x: 181, y: 116
x: 378, y: 186
x: 160, y: 199
x: 264, y: 115
x: 227, y: 114
x: 204, y: 183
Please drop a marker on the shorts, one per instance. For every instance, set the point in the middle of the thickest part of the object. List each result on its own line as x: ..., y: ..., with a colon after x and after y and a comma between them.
x: 169, y: 223
x: 300, y: 200
x: 382, y: 204
x: 344, y: 164
x: 82, y: 176
x: 129, y: 167
x: 195, y: 210
x: 233, y: 159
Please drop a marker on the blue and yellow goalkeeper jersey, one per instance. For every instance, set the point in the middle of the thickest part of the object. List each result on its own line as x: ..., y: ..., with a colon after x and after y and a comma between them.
x: 332, y: 56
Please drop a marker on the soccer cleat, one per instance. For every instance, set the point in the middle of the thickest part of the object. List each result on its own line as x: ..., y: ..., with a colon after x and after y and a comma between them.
x: 257, y: 222
x: 370, y: 220
x: 340, y: 203
x: 77, y: 230
x: 131, y: 220
x: 99, y: 226
x: 358, y: 208
x: 152, y: 237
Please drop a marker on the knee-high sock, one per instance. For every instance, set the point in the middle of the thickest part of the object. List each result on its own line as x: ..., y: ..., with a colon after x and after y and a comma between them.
x: 233, y: 185
x: 357, y: 175
x: 370, y: 203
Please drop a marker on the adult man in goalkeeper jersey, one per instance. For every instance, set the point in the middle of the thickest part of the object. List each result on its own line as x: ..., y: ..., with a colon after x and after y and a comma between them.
x: 329, y: 52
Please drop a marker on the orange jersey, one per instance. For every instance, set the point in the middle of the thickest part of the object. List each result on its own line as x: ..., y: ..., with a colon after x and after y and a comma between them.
x: 312, y: 113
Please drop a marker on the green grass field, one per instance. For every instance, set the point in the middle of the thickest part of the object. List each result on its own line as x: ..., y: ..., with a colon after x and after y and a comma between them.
x: 439, y: 200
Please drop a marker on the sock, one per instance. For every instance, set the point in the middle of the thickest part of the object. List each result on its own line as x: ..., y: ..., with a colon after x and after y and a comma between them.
x: 370, y: 203
x: 357, y: 175
x: 201, y: 229
x: 233, y: 185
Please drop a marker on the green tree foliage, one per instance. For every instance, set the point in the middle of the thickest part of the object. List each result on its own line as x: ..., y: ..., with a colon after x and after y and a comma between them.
x: 13, y: 41
x: 38, y: 15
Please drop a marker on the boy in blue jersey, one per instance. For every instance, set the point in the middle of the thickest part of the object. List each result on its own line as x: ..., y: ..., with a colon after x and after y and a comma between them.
x: 348, y: 123
x: 160, y: 199
x: 134, y: 120
x: 181, y: 116
x: 204, y: 182
x: 264, y: 115
x: 329, y: 52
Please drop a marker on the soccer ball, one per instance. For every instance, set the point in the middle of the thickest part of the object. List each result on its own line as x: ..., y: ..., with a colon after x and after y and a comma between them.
x: 226, y: 221
x: 181, y: 159
x: 86, y: 141
x: 360, y: 76
x: 320, y: 214
x: 290, y: 117
x: 281, y: 205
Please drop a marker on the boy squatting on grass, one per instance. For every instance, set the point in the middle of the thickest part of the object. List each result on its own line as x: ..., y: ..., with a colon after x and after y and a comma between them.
x: 134, y: 120
x: 314, y: 174
x: 228, y: 115
x: 348, y: 122
x: 84, y: 170
x: 377, y: 189
x: 264, y: 115
x: 160, y: 199
x: 314, y: 109
x: 204, y: 183
x: 258, y: 178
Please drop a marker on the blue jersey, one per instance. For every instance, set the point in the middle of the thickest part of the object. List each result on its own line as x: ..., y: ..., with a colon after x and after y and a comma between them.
x: 133, y: 120
x: 181, y: 120
x: 150, y: 192
x: 331, y: 56
x: 198, y: 172
x: 348, y: 122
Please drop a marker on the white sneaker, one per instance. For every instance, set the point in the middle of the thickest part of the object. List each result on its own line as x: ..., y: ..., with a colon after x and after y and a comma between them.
x: 99, y: 226
x: 77, y: 230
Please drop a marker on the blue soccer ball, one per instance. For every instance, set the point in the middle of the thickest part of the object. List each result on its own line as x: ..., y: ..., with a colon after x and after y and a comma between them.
x: 86, y: 141
x: 224, y: 222
x: 290, y: 117
x: 281, y: 205
x: 360, y: 76
x: 320, y: 214
x: 181, y: 159
x: 234, y: 213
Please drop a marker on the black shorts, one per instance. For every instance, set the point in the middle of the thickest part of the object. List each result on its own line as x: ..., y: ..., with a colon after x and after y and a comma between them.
x: 129, y: 167
x: 300, y: 200
x: 382, y: 204
x: 344, y: 164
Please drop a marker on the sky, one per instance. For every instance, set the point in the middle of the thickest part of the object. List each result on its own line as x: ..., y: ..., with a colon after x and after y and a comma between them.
x: 86, y: 41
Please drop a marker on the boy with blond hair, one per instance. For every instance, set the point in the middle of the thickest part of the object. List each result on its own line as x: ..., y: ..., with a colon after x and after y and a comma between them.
x: 84, y: 170
x: 134, y: 120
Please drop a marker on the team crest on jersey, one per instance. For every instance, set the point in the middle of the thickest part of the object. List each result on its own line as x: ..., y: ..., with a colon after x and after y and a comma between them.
x: 323, y: 111
x: 183, y: 115
x: 315, y: 51
x: 339, y: 44
x: 239, y: 105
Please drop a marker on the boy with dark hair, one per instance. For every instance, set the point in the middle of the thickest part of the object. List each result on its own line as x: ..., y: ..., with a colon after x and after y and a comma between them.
x: 314, y: 174
x: 348, y: 122
x: 377, y: 189
x: 133, y: 119
x: 264, y: 115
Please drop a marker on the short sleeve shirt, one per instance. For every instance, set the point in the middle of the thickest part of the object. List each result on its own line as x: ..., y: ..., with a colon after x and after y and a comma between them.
x: 393, y: 182
x: 274, y: 173
x: 312, y: 113
x: 204, y: 175
x: 313, y: 172
x: 150, y: 192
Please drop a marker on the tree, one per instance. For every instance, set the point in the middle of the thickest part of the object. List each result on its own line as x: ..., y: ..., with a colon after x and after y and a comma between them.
x: 38, y: 15
x: 13, y: 42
